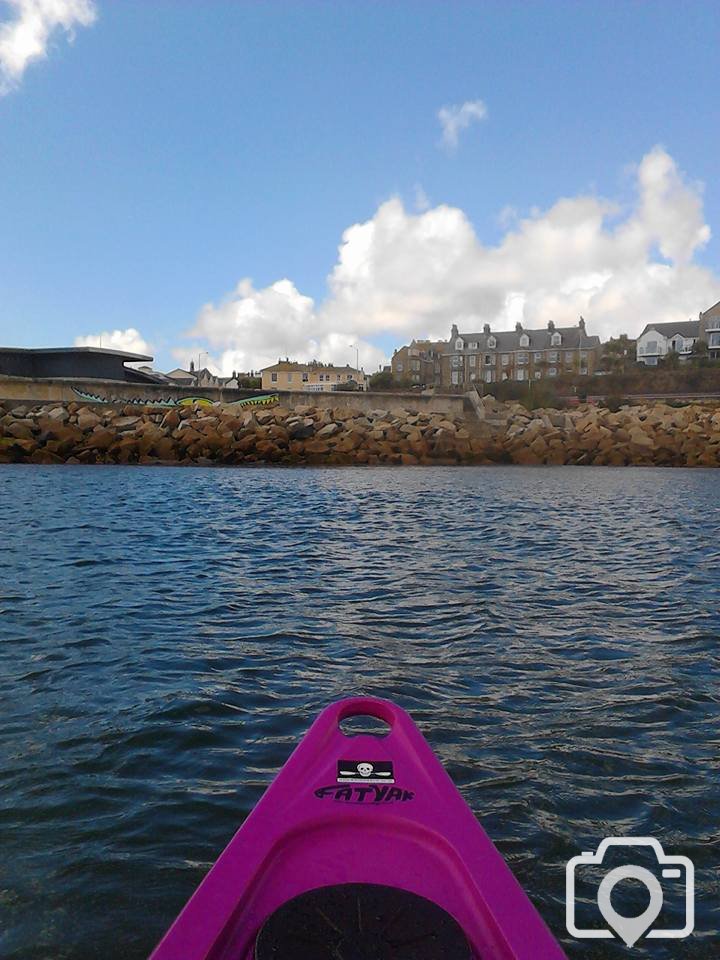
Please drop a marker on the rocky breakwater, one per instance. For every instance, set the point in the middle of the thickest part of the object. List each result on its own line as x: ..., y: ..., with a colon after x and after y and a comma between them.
x: 200, y: 434
x: 654, y: 434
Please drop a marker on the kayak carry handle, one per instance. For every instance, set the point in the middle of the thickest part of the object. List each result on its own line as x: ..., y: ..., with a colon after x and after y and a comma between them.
x: 374, y: 708
x: 366, y: 707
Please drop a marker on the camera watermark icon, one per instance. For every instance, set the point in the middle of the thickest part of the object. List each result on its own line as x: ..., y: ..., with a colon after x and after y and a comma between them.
x: 630, y: 929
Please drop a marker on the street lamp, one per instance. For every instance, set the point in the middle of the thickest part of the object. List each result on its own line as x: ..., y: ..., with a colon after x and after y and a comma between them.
x: 356, y: 348
x: 203, y: 353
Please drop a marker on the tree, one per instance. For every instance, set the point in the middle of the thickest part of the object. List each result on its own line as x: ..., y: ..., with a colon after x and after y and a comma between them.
x: 700, y: 354
x: 382, y: 380
x: 618, y: 354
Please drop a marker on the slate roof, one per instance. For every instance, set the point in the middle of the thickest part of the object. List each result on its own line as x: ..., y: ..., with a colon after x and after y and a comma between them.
x: 509, y: 340
x: 293, y: 367
x: 39, y: 351
x: 686, y: 328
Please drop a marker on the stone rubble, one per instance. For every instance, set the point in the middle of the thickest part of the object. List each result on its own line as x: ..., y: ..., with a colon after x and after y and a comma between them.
x: 493, y: 432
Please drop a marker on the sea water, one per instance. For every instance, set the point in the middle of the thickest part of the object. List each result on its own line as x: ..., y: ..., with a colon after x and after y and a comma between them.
x: 167, y: 635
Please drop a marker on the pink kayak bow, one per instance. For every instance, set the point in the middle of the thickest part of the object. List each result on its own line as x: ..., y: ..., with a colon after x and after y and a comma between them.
x: 361, y: 810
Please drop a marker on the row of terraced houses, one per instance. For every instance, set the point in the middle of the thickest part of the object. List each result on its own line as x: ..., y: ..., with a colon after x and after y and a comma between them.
x: 524, y: 354
x: 490, y: 357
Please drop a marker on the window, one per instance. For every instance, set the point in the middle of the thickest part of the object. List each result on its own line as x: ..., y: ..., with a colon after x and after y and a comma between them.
x: 714, y: 340
x: 568, y: 356
x: 457, y: 361
x: 524, y: 340
x: 488, y: 376
x: 538, y: 374
x: 583, y: 355
x: 552, y: 372
x: 522, y: 358
x: 537, y: 357
x: 556, y: 340
x: 491, y: 342
x: 273, y: 377
x: 455, y: 377
x: 459, y: 344
x: 473, y: 346
x: 399, y: 366
x: 472, y: 376
x: 488, y: 359
x: 337, y: 377
x: 289, y: 378
x: 651, y: 346
x: 414, y: 353
x: 305, y: 377
x: 414, y: 364
x: 505, y: 359
x: 520, y: 374
x: 552, y: 356
x: 471, y: 361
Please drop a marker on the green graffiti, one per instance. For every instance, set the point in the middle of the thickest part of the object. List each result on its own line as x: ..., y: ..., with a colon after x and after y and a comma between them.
x: 263, y: 401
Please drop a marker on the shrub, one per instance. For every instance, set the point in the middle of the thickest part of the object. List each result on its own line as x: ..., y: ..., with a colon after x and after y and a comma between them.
x: 613, y: 403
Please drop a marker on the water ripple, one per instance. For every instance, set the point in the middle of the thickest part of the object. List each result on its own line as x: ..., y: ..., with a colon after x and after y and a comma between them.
x: 167, y: 635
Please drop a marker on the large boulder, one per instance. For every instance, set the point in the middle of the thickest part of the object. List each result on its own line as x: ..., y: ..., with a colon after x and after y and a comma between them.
x: 328, y: 431
x: 60, y: 414
x: 125, y: 424
x: 20, y: 429
x: 87, y: 419
x: 301, y: 429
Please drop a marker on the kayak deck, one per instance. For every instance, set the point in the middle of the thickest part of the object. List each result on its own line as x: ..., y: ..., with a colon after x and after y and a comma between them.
x: 367, y: 810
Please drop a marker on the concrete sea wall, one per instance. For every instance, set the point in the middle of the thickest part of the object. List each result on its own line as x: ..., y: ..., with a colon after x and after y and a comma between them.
x: 25, y: 390
x: 359, y: 429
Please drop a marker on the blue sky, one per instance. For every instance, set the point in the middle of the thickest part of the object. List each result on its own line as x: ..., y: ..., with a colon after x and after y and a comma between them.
x: 168, y: 151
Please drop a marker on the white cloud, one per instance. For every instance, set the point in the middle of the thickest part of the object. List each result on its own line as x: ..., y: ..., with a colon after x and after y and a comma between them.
x: 252, y: 328
x: 406, y: 274
x: 26, y: 36
x: 128, y: 340
x: 456, y: 118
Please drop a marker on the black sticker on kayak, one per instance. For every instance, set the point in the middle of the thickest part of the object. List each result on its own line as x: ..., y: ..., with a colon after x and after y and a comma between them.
x: 365, y: 771
x: 369, y: 793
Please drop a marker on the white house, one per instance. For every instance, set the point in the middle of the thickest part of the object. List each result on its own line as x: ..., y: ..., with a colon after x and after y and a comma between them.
x: 659, y: 339
x: 710, y: 330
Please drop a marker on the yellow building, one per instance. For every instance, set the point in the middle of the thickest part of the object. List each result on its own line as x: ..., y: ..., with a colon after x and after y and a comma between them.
x: 313, y: 377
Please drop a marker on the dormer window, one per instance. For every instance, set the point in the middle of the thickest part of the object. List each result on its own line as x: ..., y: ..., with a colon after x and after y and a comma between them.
x: 524, y: 340
x: 459, y: 344
x: 556, y: 340
x: 491, y: 342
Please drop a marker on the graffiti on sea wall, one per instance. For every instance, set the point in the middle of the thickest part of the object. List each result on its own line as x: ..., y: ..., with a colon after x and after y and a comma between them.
x: 266, y: 400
